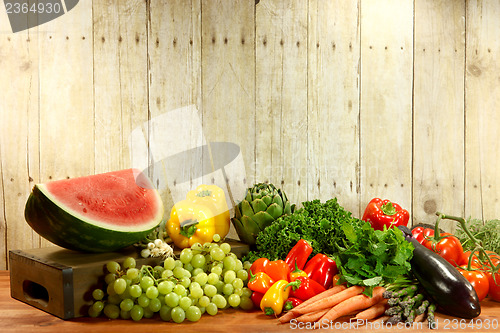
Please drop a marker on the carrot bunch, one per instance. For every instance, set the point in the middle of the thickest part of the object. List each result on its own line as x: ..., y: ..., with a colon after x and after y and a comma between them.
x: 336, y: 302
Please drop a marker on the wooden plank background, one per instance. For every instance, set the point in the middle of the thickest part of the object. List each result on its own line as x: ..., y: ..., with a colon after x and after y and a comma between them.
x: 351, y: 99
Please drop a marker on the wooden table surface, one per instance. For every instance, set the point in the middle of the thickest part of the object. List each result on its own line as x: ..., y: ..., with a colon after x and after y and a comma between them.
x: 16, y: 316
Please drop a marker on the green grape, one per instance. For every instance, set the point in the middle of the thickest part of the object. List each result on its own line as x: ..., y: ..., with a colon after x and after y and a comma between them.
x: 197, y: 271
x: 146, y: 282
x: 217, y: 253
x: 167, y: 274
x: 148, y: 313
x: 165, y: 313
x: 233, y: 255
x: 201, y: 278
x: 178, y: 272
x: 194, y: 285
x: 196, y: 248
x: 98, y: 294
x: 212, y: 278
x: 247, y: 292
x: 113, y: 267
x: 238, y: 291
x: 129, y: 263
x: 210, y: 290
x: 242, y: 274
x: 229, y: 263
x: 247, y: 265
x: 178, y: 263
x: 185, y: 302
x: 208, y: 258
x: 125, y: 315
x: 92, y: 313
x: 143, y: 300
x: 196, y: 292
x: 120, y: 285
x: 193, y: 313
x: 234, y: 300
x: 225, y: 247
x: 172, y: 299
x: 186, y: 255
x: 132, y: 273
x: 246, y: 303
x: 202, y: 309
x: 185, y: 281
x: 229, y: 276
x: 178, y: 314
x: 219, y: 300
x: 203, y: 301
x: 152, y: 292
x: 228, y: 289
x: 109, y: 278
x: 110, y: 289
x: 198, y: 260
x: 216, y: 270
x: 239, y: 265
x: 179, y: 289
x: 169, y: 263
x: 212, y: 309
x: 114, y: 299
x: 154, y: 305
x: 188, y: 267
x: 112, y: 311
x: 219, y: 285
x: 164, y: 287
x: 216, y: 238
x: 98, y: 306
x: 238, y: 283
x: 157, y: 271
x: 126, y: 304
x: 137, y: 312
x: 135, y: 290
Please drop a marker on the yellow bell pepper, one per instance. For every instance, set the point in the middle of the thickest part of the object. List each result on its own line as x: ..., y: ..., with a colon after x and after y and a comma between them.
x: 190, y: 223
x: 214, y: 198
x: 273, y: 300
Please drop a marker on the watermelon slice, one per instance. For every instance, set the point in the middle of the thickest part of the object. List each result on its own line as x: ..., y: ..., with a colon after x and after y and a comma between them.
x: 98, y: 213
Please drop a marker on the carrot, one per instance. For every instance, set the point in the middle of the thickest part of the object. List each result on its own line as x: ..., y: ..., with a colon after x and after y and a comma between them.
x: 312, y: 316
x: 329, y: 292
x: 373, y: 311
x: 355, y: 303
x: 329, y: 301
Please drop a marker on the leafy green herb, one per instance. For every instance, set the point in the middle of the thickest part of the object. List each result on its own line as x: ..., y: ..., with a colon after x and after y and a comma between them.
x: 365, y: 256
x: 488, y: 233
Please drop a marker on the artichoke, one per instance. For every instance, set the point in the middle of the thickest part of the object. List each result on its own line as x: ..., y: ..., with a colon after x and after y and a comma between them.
x: 262, y: 205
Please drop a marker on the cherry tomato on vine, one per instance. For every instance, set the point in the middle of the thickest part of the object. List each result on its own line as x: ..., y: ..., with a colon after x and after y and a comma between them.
x: 478, y: 279
x: 447, y: 246
x: 421, y: 233
x: 494, y: 290
x: 476, y: 259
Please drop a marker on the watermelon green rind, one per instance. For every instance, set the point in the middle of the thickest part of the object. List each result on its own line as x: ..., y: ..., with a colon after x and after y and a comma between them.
x: 67, y: 228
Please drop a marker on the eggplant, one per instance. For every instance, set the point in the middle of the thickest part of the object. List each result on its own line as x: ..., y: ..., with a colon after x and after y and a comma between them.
x: 445, y: 285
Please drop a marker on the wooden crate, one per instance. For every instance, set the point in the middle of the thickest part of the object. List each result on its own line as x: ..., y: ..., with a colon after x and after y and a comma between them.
x: 60, y: 281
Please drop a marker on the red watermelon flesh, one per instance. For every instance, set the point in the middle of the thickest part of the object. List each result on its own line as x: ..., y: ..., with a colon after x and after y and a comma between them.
x: 97, y: 213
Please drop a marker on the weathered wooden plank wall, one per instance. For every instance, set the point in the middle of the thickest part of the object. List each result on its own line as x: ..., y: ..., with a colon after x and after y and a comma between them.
x: 348, y: 99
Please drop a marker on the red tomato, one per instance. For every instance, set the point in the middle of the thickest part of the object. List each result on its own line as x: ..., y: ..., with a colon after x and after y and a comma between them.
x: 494, y: 291
x: 495, y: 259
x: 478, y: 279
x: 448, y: 247
x: 420, y: 233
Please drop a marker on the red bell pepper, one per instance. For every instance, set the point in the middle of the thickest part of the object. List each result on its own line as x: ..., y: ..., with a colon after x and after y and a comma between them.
x: 256, y: 298
x: 321, y: 269
x: 260, y: 282
x: 380, y: 213
x: 258, y: 265
x: 291, y: 303
x: 304, y: 288
x: 298, y: 254
x: 277, y: 270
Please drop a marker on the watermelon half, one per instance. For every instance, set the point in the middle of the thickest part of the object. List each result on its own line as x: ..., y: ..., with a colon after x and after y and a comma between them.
x: 98, y: 213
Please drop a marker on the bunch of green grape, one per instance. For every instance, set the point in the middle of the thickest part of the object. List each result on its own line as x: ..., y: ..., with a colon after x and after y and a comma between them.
x: 204, y: 278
